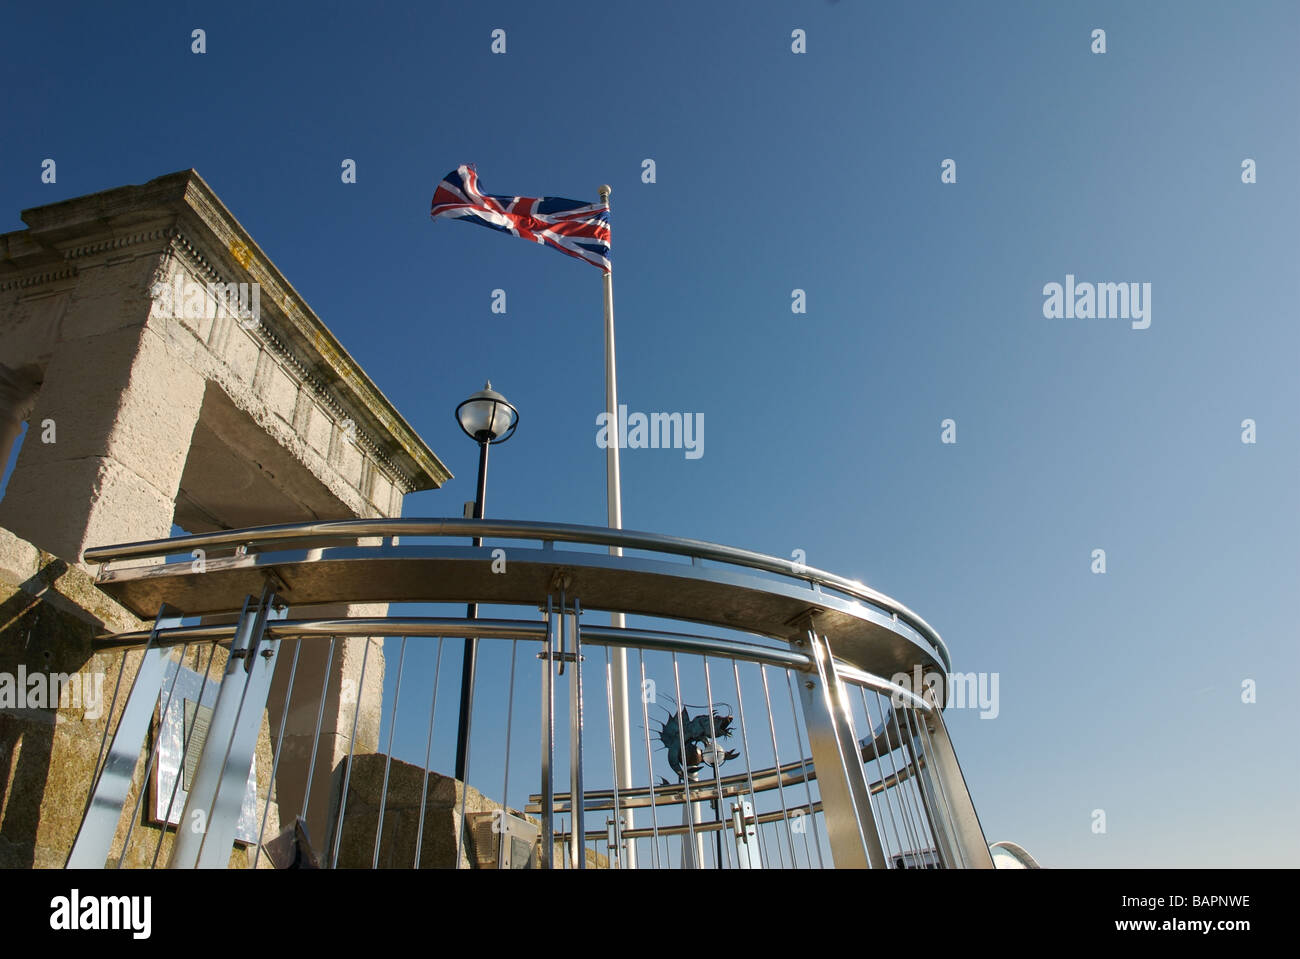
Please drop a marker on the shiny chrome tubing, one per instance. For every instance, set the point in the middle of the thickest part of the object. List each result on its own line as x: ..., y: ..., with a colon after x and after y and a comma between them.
x: 336, y: 532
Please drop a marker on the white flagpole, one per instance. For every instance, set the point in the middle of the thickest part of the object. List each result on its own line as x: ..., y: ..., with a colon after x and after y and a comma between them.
x: 614, y: 499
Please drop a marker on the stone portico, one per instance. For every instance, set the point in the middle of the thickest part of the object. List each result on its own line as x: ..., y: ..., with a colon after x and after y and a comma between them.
x: 169, y: 374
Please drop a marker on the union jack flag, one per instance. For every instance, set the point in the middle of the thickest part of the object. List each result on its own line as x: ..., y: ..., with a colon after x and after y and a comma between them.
x: 570, y: 226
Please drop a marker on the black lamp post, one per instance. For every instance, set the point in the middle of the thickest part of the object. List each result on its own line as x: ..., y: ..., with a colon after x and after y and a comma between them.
x: 487, y: 418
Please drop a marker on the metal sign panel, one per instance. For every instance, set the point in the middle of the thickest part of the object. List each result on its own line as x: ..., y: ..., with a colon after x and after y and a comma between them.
x: 190, y: 712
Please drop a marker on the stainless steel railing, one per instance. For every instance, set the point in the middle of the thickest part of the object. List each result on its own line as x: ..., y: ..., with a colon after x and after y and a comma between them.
x: 781, y: 744
x: 332, y: 532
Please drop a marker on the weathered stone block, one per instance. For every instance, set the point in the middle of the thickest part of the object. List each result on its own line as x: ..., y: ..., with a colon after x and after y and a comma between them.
x: 241, y: 354
x: 318, y: 429
x: 442, y: 817
x: 117, y: 506
x: 280, y: 392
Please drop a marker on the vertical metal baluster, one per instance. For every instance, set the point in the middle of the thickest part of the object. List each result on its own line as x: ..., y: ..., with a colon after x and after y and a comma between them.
x: 942, y: 799
x: 577, y: 796
x: 807, y: 785
x: 721, y: 810
x: 562, y: 627
x: 776, y: 761
x: 910, y: 791
x: 108, y: 791
x: 613, y: 760
x: 352, y: 746
x: 275, y: 762
x: 649, y: 765
x: 153, y: 757
x: 905, y: 743
x: 926, y: 808
x: 320, y: 718
x: 749, y: 766
x: 932, y: 809
x: 108, y: 723
x: 888, y: 796
x: 882, y: 801
x: 780, y: 846
x: 880, y: 775
x: 686, y: 775
x: 885, y: 716
x: 934, y: 813
x: 714, y: 846
x: 510, y: 713
x: 548, y: 745
x: 713, y: 738
x: 116, y: 760
x: 388, y: 760
x: 910, y: 719
x: 902, y: 764
x: 428, y: 748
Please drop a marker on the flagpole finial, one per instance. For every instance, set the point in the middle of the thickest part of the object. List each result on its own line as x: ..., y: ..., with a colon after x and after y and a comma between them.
x: 604, y: 191
x: 487, y: 385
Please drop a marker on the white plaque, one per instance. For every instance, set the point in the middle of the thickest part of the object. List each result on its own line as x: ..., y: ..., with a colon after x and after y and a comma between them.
x: 182, y: 732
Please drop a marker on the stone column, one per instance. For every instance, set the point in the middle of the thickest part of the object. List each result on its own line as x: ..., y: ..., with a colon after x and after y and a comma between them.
x: 347, y: 696
x: 17, y: 396
x: 122, y: 411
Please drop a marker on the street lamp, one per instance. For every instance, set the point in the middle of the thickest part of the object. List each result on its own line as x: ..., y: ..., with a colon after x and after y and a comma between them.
x: 487, y: 418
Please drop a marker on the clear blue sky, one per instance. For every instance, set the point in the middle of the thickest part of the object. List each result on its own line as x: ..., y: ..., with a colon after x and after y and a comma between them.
x: 821, y: 172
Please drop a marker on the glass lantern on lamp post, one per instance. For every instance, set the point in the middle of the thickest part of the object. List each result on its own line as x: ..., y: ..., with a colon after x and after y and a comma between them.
x: 487, y: 418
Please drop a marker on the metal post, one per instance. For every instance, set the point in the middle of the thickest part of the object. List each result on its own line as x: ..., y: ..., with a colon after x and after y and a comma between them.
x: 846, y: 803
x: 548, y: 744
x: 207, y: 828
x: 108, y: 794
x: 692, y: 841
x: 614, y: 514
x: 748, y: 856
x: 936, y: 811
x: 576, y: 798
x: 966, y: 824
x: 469, y: 665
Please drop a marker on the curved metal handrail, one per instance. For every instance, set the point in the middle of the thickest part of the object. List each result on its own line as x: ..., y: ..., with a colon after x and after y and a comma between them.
x: 433, y: 626
x: 301, y: 534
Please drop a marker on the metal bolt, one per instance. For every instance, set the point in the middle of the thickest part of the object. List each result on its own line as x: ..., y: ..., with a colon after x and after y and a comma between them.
x: 809, y: 684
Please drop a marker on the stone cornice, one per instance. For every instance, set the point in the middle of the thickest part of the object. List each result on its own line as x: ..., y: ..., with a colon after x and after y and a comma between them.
x: 183, y: 249
x: 117, y: 243
x: 37, y: 279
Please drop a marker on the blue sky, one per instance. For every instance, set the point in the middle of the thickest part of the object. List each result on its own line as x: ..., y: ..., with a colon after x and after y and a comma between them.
x: 819, y: 171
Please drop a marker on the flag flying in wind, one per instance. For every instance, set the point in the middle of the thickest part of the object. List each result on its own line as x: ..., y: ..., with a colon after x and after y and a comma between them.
x: 570, y: 226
